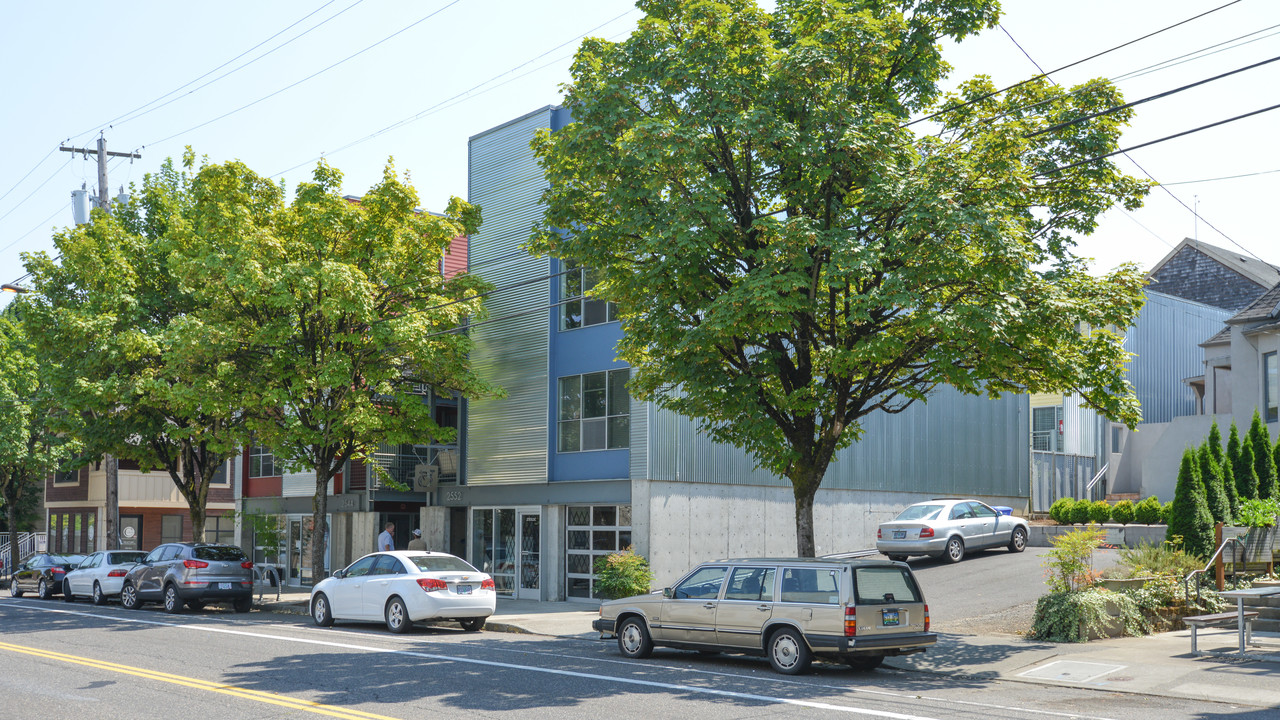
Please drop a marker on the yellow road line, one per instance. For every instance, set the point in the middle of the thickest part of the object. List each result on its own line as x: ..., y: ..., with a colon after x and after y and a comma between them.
x: 244, y: 693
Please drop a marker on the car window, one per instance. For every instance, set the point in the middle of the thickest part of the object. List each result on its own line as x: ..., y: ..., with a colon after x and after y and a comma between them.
x: 361, y: 567
x: 755, y: 584
x: 961, y: 511
x: 120, y: 558
x: 884, y: 586
x: 92, y: 561
x: 704, y: 584
x: 224, y: 553
x: 434, y: 563
x: 982, y: 510
x: 170, y: 552
x: 920, y: 512
x: 154, y: 555
x: 810, y: 585
x: 388, y: 565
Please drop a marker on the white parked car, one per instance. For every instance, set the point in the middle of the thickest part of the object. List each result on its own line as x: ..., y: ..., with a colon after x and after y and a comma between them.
x: 402, y: 587
x: 100, y: 575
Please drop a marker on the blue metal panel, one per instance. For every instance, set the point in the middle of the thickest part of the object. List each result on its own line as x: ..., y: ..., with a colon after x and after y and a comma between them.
x: 1166, y: 340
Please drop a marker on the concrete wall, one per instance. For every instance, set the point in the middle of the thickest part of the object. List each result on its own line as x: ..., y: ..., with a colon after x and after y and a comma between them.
x: 1118, y: 535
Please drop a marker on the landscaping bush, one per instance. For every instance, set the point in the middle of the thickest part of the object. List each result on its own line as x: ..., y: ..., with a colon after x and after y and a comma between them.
x: 1070, y: 562
x: 622, y: 574
x: 1099, y: 512
x: 1072, y: 616
x: 1215, y: 494
x: 1264, y: 463
x: 1123, y: 512
x: 1148, y: 512
x: 1224, y: 466
x: 1165, y: 511
x: 1240, y: 456
x: 1164, y: 559
x: 1060, y: 510
x: 1190, y: 524
x: 1258, y: 513
x: 1079, y: 512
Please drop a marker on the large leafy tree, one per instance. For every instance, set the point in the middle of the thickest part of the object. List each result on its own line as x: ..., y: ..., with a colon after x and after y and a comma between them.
x: 119, y: 346
x: 790, y: 256
x: 330, y: 314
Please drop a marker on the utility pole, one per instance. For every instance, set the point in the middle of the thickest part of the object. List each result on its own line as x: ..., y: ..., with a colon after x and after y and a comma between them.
x: 111, y: 523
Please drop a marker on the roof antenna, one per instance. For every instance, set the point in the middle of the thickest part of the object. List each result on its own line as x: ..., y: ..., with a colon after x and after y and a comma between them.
x: 1196, y: 220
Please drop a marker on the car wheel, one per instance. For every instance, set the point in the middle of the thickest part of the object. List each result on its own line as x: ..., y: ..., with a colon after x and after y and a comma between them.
x: 243, y: 605
x: 129, y: 597
x: 98, y: 597
x: 66, y: 592
x: 633, y: 639
x: 1018, y: 542
x: 13, y: 588
x: 788, y: 653
x: 172, y: 603
x: 472, y: 624
x: 320, y: 611
x: 898, y: 558
x: 43, y: 590
x: 397, y: 616
x: 864, y: 663
x: 955, y: 550
x: 195, y: 605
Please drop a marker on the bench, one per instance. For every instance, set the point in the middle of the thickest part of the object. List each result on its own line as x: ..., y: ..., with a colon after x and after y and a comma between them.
x: 1196, y: 622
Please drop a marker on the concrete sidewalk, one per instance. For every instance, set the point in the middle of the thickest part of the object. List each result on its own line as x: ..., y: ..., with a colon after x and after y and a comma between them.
x: 1159, y: 664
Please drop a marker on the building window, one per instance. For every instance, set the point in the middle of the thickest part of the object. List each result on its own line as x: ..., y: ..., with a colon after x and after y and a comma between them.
x: 577, y: 309
x: 595, y: 412
x: 262, y: 462
x: 219, y: 530
x: 1269, y: 387
x: 594, y: 531
x: 66, y: 477
x: 1046, y: 434
x: 171, y: 528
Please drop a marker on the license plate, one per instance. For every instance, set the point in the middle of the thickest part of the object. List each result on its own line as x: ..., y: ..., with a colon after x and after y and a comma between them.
x: 899, y: 534
x: 464, y: 589
x: 888, y: 617
x: 224, y: 586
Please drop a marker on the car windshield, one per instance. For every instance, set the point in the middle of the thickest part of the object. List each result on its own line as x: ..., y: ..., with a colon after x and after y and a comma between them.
x: 920, y: 512
x: 120, y: 558
x: 66, y: 559
x: 884, y: 586
x: 225, y: 553
x: 441, y: 563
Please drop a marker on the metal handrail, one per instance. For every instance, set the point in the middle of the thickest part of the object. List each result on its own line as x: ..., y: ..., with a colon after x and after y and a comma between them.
x: 1235, y: 580
x: 1089, y: 485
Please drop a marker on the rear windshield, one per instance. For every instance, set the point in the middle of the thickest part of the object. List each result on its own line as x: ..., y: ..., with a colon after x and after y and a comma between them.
x: 441, y: 563
x: 120, y: 558
x: 66, y: 559
x: 884, y: 586
x: 225, y: 553
x: 920, y: 512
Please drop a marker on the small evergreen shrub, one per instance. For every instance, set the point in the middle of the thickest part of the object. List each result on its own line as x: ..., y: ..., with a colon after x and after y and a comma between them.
x: 1148, y: 512
x: 1060, y: 510
x: 1079, y: 512
x: 1123, y: 512
x: 1165, y: 511
x: 622, y: 574
x: 1190, y: 524
x: 1099, y: 512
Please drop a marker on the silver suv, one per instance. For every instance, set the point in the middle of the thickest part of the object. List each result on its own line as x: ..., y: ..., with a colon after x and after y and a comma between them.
x: 790, y: 610
x: 195, y: 574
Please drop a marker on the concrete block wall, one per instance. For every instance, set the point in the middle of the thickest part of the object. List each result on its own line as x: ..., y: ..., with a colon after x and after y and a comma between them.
x: 1117, y: 535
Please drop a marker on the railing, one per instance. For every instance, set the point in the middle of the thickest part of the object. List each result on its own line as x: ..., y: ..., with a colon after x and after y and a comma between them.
x: 1088, y: 488
x: 28, y: 544
x: 1235, y: 582
x: 265, y: 578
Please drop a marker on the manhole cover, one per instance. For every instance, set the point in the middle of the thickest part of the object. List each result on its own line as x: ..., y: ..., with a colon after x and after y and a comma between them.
x: 1071, y: 671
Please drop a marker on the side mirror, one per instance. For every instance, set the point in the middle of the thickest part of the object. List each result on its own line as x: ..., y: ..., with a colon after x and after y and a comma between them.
x: 666, y: 593
x: 339, y: 574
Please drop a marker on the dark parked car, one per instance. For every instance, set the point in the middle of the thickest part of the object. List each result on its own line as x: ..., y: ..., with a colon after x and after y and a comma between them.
x: 194, y: 574
x: 42, y: 574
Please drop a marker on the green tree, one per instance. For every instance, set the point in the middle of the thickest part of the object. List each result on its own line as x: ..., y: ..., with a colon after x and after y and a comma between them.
x: 1242, y: 469
x: 1214, y: 492
x: 1264, y: 463
x: 1190, y: 524
x: 1224, y: 467
x: 330, y: 315
x: 116, y: 335
x: 789, y: 257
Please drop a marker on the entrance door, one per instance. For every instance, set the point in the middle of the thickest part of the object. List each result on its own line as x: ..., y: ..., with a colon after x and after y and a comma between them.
x: 530, y: 555
x: 130, y: 532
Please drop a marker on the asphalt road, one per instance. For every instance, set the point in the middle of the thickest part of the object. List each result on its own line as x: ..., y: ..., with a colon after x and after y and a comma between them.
x: 78, y: 661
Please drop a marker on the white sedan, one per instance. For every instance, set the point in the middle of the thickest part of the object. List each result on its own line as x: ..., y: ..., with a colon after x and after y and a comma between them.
x: 402, y: 587
x: 100, y: 575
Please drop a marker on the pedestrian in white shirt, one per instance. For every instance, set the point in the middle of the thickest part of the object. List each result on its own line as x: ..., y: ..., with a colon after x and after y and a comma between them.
x: 387, y: 541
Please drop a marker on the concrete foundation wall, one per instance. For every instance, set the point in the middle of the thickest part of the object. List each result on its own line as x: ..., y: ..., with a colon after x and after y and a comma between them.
x: 434, y: 521
x: 1118, y: 535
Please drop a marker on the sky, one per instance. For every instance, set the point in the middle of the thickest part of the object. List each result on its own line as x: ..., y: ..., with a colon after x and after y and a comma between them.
x: 278, y: 85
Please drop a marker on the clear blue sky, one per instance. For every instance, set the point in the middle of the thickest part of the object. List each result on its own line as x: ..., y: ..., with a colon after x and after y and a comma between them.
x: 71, y: 69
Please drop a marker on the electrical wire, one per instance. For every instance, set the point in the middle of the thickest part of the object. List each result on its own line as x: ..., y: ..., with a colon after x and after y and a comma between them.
x: 1226, y: 177
x: 24, y: 177
x: 46, y: 182
x: 37, y: 227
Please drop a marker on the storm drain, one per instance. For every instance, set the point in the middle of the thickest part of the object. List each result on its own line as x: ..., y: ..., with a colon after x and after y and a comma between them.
x: 1072, y: 671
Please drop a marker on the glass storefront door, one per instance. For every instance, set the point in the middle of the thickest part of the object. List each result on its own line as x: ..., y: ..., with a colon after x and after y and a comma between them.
x: 530, y: 554
x: 499, y: 547
x: 299, y: 544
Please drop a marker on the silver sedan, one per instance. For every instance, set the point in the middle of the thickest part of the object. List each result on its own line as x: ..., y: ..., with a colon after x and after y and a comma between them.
x: 948, y: 528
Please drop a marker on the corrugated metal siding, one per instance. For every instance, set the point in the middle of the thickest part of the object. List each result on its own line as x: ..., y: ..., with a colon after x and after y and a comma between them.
x: 1166, y: 339
x: 1079, y: 427
x: 507, y: 438
x: 639, y: 439
x: 954, y: 444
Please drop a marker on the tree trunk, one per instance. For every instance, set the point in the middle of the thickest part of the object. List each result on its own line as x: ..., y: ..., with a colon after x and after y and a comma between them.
x: 319, y: 524
x: 198, y: 515
x: 804, y: 493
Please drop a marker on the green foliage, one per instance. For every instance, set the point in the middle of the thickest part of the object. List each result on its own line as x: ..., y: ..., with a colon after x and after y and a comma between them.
x: 1214, y: 442
x: 1264, y: 463
x: 1078, y: 513
x: 1123, y: 512
x: 1258, y: 512
x: 1162, y: 559
x: 1070, y: 562
x: 1214, y: 492
x: 622, y: 574
x: 269, y: 531
x: 1099, y: 512
x: 788, y: 258
x: 1148, y: 511
x: 1075, y: 616
x: 1240, y: 455
x: 1190, y: 523
x: 1060, y: 510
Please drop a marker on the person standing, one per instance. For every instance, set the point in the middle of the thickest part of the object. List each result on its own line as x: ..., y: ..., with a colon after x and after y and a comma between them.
x: 417, y: 543
x: 387, y: 541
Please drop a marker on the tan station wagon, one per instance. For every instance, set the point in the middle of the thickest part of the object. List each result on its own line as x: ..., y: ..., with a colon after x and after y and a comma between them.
x: 790, y: 610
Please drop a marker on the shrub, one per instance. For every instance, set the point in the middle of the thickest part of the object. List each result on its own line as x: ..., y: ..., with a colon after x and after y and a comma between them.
x: 1079, y: 512
x: 1163, y: 559
x: 1165, y: 511
x: 622, y: 574
x: 1073, y: 616
x: 1258, y: 513
x: 1099, y: 512
x: 1070, y: 562
x: 1215, y: 494
x: 1240, y: 455
x: 1148, y: 512
x: 1264, y: 463
x: 1190, y: 523
x: 1060, y: 510
x: 1123, y: 512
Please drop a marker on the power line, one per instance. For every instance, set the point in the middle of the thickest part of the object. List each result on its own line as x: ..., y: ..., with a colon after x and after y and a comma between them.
x: 53, y: 150
x: 312, y: 75
x: 1226, y: 177
x: 33, y: 192
x: 37, y: 227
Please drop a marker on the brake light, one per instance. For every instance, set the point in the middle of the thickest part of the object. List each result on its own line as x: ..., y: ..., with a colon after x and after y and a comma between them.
x: 193, y: 564
x: 851, y: 622
x: 118, y: 572
x: 247, y: 565
x: 926, y: 618
x: 488, y: 585
x: 926, y: 532
x: 432, y: 584
x: 879, y: 534
x: 59, y: 571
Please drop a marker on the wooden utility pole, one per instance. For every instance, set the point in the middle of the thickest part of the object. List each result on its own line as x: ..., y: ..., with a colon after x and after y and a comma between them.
x: 111, y: 523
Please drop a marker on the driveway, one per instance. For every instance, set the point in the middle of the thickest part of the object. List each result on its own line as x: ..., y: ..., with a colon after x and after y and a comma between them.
x: 994, y: 591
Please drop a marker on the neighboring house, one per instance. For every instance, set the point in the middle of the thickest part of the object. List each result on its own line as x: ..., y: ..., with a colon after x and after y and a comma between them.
x: 1211, y: 275
x: 568, y: 468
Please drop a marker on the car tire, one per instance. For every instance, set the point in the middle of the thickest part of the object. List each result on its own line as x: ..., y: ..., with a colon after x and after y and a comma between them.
x: 13, y: 588
x: 788, y: 652
x: 1018, y: 541
x: 243, y: 605
x: 129, y: 597
x: 98, y: 597
x: 66, y: 592
x: 321, y: 612
x: 864, y: 663
x: 472, y: 624
x: 397, y: 616
x: 172, y: 601
x: 898, y: 558
x: 634, y: 640
x: 954, y: 552
x: 43, y: 591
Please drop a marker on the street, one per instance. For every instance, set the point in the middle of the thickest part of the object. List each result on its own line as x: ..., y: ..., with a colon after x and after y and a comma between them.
x: 76, y: 661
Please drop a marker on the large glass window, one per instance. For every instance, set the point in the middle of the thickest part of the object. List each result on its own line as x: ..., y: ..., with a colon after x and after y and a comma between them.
x: 594, y: 531
x: 1045, y: 424
x: 594, y: 412
x: 578, y: 309
x: 171, y: 528
x: 262, y: 462
x: 220, y: 530
x: 1270, y: 389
